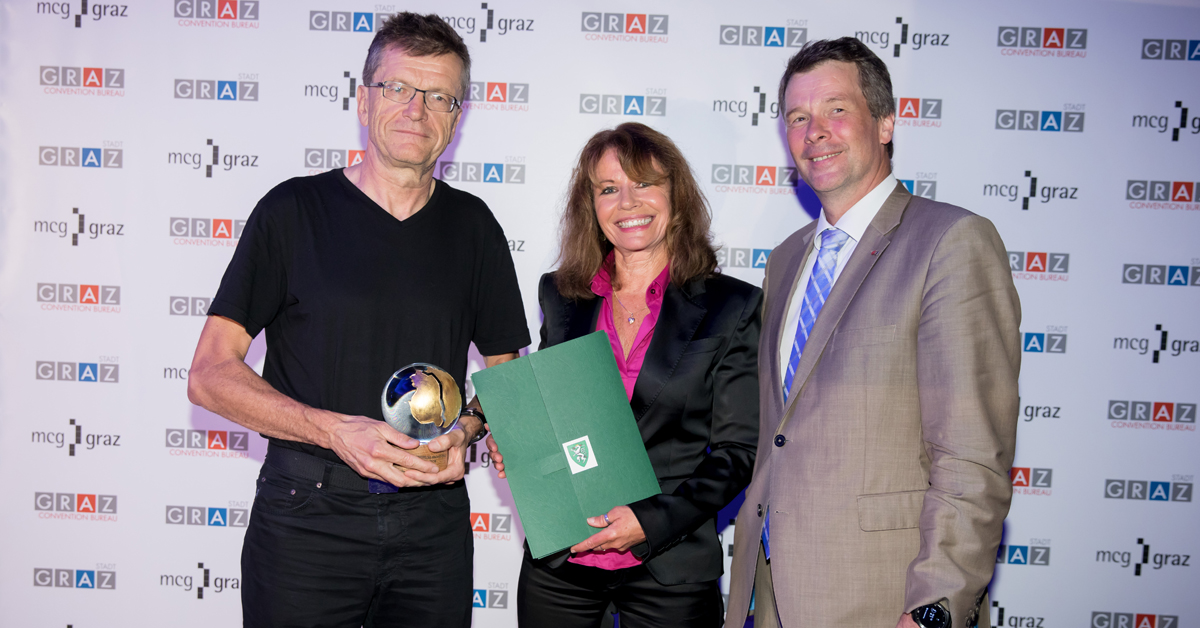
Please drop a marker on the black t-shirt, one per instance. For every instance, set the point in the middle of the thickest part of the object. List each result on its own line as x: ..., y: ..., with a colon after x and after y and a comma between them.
x: 348, y: 294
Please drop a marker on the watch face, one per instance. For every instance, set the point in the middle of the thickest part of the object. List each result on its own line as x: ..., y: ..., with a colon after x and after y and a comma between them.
x: 931, y: 616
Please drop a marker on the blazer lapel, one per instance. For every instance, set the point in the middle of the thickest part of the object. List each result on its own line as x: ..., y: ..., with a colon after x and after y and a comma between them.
x: 875, y: 239
x: 581, y: 318
x: 677, y: 322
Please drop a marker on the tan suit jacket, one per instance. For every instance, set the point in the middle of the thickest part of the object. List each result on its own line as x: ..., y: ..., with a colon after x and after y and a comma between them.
x: 891, y: 485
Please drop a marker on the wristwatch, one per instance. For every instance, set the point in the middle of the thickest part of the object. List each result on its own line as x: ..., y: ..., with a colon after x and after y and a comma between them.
x: 931, y: 616
x: 479, y: 415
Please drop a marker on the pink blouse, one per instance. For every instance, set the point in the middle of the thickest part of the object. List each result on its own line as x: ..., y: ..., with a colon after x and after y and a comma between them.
x: 612, y: 315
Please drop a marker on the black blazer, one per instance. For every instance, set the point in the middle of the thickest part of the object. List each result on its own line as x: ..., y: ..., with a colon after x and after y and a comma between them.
x: 696, y: 404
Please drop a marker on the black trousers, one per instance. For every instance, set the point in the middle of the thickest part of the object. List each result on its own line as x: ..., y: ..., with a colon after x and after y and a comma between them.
x: 339, y: 556
x: 576, y: 596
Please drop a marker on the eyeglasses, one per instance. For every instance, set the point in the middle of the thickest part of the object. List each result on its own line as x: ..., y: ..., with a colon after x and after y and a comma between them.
x: 396, y: 91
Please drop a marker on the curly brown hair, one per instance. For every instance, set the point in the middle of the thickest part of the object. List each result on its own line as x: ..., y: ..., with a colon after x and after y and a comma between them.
x: 649, y: 157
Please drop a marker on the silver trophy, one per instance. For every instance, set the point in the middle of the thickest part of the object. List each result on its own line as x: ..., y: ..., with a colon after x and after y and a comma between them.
x: 422, y: 401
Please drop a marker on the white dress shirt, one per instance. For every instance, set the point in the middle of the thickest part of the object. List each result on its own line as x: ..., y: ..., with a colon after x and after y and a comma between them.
x: 854, y: 222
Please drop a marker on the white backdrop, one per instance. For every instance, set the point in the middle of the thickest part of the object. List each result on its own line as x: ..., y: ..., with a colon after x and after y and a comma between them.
x: 137, y: 137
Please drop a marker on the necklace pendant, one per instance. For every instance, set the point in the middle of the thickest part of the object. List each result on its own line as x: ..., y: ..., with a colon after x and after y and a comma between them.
x: 630, y: 319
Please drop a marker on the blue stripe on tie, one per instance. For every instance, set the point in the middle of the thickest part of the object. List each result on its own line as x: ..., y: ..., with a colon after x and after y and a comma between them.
x: 766, y: 535
x: 819, y: 285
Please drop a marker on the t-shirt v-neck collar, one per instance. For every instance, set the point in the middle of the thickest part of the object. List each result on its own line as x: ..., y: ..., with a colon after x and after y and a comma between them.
x: 384, y: 215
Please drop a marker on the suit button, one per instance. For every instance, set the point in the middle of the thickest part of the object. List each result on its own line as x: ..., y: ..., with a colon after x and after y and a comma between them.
x: 780, y: 440
x: 760, y: 510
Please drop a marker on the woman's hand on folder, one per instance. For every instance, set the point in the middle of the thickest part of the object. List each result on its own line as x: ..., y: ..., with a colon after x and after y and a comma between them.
x: 622, y: 530
x: 494, y: 455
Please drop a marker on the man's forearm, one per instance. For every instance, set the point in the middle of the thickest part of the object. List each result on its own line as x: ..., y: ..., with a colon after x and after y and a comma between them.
x: 233, y: 390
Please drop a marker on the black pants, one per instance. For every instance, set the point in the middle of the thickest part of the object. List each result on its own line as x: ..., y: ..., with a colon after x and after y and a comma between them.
x: 575, y: 596
x: 339, y: 556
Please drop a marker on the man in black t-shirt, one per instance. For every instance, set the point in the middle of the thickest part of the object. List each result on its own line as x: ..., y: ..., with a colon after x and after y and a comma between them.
x: 353, y: 274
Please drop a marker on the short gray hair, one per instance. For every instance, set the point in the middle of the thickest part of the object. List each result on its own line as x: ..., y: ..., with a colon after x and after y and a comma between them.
x: 418, y: 36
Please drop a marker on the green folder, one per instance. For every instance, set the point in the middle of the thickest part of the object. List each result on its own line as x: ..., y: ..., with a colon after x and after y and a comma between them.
x: 571, y: 445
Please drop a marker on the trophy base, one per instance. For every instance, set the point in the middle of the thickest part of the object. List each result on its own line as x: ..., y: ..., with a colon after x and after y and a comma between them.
x: 439, y: 458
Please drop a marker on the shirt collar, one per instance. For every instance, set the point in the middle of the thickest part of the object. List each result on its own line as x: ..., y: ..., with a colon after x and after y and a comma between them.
x: 602, y: 282
x: 856, y: 220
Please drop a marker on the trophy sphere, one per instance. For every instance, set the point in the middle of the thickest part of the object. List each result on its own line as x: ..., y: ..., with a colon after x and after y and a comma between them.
x: 422, y: 401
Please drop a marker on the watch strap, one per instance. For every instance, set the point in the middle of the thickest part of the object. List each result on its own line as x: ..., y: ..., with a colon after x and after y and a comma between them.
x: 479, y: 415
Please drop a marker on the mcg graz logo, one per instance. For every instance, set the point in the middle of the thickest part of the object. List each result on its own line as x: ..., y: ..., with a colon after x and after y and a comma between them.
x: 330, y: 92
x: 1161, y: 123
x: 97, y: 12
x: 1142, y: 556
x: 1143, y: 346
x: 203, y: 580
x: 756, y: 106
x: 1014, y: 621
x: 488, y: 22
x: 92, y: 231
x: 916, y: 41
x: 74, y: 437
x: 1046, y: 193
x: 229, y: 161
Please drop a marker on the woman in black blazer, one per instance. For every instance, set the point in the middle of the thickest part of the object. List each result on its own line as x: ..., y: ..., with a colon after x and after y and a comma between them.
x: 636, y: 262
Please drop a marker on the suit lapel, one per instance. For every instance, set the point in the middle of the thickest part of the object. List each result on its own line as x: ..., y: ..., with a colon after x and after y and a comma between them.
x: 875, y: 239
x: 677, y: 322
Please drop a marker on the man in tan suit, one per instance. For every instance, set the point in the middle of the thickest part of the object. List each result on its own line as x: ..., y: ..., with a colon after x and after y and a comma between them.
x: 888, y: 372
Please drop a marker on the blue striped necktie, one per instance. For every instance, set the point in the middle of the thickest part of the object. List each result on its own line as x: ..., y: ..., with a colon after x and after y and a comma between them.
x: 819, y: 285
